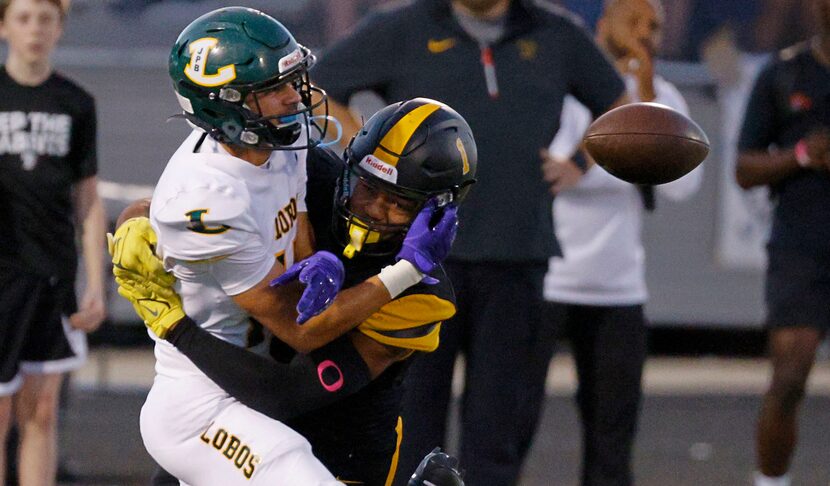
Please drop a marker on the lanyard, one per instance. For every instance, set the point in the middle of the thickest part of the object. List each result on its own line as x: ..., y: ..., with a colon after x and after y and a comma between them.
x: 489, y: 71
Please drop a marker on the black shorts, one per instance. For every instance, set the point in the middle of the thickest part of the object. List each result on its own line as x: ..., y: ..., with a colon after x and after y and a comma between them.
x: 35, y: 336
x: 797, y: 290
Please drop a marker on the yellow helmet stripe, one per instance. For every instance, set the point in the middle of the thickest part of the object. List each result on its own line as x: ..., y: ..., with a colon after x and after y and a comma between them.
x: 398, y: 136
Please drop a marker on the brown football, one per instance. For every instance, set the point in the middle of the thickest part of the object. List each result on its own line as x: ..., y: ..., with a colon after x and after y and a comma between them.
x: 134, y: 210
x: 646, y: 143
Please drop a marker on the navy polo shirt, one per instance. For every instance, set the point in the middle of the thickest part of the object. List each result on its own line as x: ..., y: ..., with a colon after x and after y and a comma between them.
x: 418, y: 49
x: 791, y: 98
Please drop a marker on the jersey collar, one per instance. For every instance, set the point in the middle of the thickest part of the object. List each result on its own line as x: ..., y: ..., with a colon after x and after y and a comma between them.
x: 521, y: 16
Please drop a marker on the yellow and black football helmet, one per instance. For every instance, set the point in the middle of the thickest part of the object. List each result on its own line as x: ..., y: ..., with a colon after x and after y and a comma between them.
x: 418, y: 149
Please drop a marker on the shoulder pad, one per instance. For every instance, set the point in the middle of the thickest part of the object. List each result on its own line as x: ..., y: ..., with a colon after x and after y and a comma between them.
x: 211, y: 204
x: 203, y: 222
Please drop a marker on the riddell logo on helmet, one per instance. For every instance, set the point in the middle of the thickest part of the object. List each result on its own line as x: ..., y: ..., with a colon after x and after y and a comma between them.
x: 380, y: 169
x: 290, y: 60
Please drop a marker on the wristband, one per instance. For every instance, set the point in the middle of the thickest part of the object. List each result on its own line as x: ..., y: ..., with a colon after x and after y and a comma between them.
x: 801, y: 155
x: 399, y: 277
x: 579, y: 161
x: 339, y: 367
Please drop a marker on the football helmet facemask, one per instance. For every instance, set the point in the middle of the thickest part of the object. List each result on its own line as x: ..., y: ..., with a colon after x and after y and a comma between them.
x: 229, y: 54
x: 416, y: 150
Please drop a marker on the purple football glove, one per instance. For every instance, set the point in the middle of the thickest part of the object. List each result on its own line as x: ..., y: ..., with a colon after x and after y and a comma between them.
x: 322, y: 273
x: 426, y: 246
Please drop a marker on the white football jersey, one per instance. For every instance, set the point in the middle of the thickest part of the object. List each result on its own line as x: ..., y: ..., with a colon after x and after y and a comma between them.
x: 221, y: 222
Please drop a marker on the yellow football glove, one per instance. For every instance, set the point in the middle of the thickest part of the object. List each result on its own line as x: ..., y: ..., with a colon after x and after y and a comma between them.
x: 141, y: 276
x: 132, y: 249
x: 159, y: 307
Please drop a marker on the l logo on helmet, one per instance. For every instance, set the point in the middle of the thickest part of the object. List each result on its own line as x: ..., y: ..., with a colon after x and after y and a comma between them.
x: 464, y: 160
x: 195, y: 69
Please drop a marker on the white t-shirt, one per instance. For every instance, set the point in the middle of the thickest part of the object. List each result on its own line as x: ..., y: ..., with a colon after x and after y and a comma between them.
x: 221, y: 222
x: 599, y: 221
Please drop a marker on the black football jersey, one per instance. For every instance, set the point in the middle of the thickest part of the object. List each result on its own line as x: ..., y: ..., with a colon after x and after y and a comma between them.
x: 356, y: 438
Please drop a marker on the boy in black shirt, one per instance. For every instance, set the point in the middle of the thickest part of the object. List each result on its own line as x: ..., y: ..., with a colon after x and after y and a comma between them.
x: 47, y: 181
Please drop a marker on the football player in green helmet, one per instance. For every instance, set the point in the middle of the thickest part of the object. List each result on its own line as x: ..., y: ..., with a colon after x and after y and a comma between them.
x: 225, y: 63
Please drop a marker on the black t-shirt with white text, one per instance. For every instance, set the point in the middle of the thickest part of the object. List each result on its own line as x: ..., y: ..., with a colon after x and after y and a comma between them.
x: 47, y: 144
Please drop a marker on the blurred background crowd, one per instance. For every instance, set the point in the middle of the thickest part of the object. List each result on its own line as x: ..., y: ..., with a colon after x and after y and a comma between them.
x: 691, y: 25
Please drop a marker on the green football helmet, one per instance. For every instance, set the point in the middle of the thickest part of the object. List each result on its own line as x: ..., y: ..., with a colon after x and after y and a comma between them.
x: 229, y: 54
x: 419, y: 149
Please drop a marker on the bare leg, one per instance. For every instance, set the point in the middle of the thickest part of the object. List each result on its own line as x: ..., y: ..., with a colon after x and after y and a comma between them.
x: 792, y: 352
x: 5, y: 423
x: 36, y: 406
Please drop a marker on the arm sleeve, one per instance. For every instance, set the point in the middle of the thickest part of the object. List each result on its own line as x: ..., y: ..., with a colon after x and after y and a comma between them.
x: 757, y: 132
x: 364, y: 60
x: 593, y: 79
x: 278, y: 390
x: 84, y: 148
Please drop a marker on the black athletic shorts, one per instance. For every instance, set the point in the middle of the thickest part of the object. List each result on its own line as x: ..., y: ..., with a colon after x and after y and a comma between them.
x: 797, y: 290
x: 35, y: 336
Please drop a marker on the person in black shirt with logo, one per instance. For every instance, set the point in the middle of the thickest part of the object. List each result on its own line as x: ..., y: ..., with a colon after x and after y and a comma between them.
x: 47, y: 182
x: 785, y: 143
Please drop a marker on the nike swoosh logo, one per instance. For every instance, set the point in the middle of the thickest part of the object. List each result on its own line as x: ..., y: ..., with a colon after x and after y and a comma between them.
x: 438, y: 46
x: 148, y: 309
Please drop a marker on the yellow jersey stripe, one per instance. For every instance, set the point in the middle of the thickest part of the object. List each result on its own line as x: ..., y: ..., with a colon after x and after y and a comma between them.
x: 393, y: 468
x: 398, y: 136
x: 409, y: 322
x: 410, y: 311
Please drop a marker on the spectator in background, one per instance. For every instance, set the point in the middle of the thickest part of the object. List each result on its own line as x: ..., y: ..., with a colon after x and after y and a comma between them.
x: 588, y: 10
x: 47, y: 184
x: 785, y: 144
x: 506, y: 66
x: 755, y: 26
x: 597, y: 289
x: 734, y: 41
